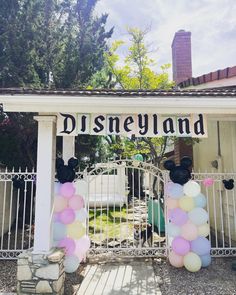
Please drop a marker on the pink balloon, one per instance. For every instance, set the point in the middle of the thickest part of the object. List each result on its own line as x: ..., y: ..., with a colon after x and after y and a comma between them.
x: 176, y: 260
x: 178, y: 216
x: 68, y: 244
x: 67, y: 190
x: 208, y: 182
x: 76, y: 202
x: 172, y: 203
x: 60, y: 203
x: 83, y: 244
x: 180, y: 246
x: 189, y: 231
x: 67, y: 216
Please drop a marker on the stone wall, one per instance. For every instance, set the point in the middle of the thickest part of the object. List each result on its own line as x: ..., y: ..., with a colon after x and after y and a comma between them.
x: 41, y: 274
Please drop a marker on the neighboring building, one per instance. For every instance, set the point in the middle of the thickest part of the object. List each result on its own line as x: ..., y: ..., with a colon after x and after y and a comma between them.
x: 217, y: 152
x: 220, y: 78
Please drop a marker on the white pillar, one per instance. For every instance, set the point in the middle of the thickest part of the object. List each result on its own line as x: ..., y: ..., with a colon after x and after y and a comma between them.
x: 68, y: 148
x: 45, y: 183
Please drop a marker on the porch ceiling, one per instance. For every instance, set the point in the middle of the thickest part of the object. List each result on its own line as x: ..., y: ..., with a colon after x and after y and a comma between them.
x: 119, y: 102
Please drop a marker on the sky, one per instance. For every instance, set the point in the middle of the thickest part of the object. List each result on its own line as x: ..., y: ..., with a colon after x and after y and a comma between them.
x: 211, y: 22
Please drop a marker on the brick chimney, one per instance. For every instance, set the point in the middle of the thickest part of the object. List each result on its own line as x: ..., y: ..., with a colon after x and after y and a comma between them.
x: 182, y: 70
x: 181, y: 56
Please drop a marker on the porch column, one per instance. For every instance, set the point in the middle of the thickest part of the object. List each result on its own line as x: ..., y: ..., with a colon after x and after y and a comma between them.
x: 45, y: 183
x: 68, y: 148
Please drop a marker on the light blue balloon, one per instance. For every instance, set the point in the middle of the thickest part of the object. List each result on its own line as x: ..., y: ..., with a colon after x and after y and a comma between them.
x: 71, y: 263
x: 173, y: 230
x: 206, y: 260
x: 175, y: 190
x: 201, y: 246
x: 59, y: 231
x: 198, y: 216
x: 57, y: 186
x: 200, y: 201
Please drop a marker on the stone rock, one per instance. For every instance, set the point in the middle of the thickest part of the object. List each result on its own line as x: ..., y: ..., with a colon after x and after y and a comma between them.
x: 39, y: 259
x: 43, y: 287
x: 22, y: 261
x: 50, y: 272
x: 57, y: 285
x: 24, y: 273
x: 56, y: 256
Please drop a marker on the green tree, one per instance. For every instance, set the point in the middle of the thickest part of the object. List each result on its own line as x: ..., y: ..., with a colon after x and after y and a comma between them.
x: 135, y: 73
x: 45, y: 43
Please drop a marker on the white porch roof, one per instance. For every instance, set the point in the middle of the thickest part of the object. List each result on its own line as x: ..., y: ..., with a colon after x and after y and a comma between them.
x: 119, y: 102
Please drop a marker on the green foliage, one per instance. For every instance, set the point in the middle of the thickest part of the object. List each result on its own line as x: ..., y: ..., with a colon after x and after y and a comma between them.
x: 49, y: 42
x: 45, y: 43
x: 136, y: 72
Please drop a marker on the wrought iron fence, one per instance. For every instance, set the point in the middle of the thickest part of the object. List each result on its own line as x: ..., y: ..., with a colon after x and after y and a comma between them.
x: 16, y: 212
x: 122, y: 198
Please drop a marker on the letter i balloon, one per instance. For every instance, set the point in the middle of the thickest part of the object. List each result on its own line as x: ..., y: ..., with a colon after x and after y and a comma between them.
x: 69, y: 218
x: 188, y: 225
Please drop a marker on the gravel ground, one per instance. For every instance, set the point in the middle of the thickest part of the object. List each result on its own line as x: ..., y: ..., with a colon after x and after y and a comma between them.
x: 217, y: 279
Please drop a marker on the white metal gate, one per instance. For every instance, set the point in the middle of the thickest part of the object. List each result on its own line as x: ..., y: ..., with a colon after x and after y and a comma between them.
x: 16, y: 212
x: 126, y: 209
x: 118, y: 195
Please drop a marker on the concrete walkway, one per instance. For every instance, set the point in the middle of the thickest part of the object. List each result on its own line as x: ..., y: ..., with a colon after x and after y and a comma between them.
x: 136, y: 277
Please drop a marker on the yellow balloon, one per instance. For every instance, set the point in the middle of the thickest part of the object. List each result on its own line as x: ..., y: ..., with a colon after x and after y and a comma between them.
x: 192, y: 262
x: 75, y: 230
x: 186, y: 203
x: 204, y: 230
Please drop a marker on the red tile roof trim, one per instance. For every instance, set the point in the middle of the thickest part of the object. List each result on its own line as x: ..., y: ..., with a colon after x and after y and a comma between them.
x: 213, y: 76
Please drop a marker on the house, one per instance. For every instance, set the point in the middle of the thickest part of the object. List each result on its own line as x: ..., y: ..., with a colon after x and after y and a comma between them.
x: 216, y: 153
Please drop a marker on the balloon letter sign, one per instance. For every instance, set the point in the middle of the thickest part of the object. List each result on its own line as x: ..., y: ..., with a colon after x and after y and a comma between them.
x: 69, y: 216
x: 188, y: 221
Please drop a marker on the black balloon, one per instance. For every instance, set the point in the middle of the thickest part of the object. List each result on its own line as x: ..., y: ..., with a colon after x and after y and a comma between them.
x: 228, y: 184
x: 66, y: 173
x: 179, y: 174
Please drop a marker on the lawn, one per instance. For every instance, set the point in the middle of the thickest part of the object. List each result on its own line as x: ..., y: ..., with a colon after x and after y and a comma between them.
x: 106, y: 224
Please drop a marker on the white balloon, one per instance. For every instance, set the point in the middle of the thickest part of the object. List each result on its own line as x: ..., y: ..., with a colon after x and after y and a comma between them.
x: 173, y: 230
x: 198, y: 216
x: 81, y: 215
x: 192, y: 188
x: 71, y: 263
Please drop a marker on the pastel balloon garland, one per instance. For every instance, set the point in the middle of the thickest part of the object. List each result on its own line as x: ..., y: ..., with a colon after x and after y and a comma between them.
x: 188, y: 226
x: 68, y: 228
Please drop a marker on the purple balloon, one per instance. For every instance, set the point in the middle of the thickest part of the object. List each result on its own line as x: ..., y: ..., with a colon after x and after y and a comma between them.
x: 178, y: 216
x: 180, y: 246
x: 68, y: 244
x: 67, y: 216
x: 174, y: 190
x: 201, y: 246
x: 56, y: 216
